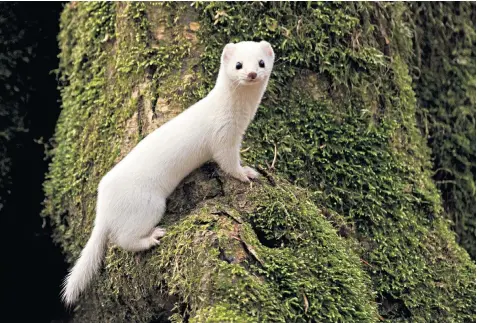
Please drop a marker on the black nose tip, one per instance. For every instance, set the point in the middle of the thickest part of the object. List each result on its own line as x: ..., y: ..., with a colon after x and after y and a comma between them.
x: 252, y: 75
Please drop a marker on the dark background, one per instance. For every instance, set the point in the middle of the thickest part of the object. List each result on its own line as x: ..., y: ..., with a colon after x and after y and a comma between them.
x: 32, y: 267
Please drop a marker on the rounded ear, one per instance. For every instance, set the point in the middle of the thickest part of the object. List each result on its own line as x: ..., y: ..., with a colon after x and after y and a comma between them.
x: 267, y: 48
x: 228, y: 52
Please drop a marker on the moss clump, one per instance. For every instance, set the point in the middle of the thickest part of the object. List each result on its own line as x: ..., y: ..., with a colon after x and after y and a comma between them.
x: 340, y: 110
x: 444, y: 72
x: 221, y: 313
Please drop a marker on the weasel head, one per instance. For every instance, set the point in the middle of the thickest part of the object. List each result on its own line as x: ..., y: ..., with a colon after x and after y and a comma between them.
x: 247, y: 63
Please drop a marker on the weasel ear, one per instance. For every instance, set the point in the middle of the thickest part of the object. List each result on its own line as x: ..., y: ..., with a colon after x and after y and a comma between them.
x: 228, y: 52
x: 267, y: 48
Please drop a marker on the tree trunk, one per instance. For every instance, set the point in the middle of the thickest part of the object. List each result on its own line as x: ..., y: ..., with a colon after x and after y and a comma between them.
x: 345, y: 224
x: 444, y: 69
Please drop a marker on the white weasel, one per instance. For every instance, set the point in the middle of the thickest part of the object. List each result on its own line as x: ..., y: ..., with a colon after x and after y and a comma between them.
x: 132, y: 196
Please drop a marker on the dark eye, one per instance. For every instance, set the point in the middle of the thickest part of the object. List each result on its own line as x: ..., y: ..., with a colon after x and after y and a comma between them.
x: 238, y: 65
x: 261, y: 63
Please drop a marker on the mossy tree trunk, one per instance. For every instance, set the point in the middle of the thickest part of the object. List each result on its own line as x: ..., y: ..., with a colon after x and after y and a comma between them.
x: 444, y: 69
x: 346, y: 227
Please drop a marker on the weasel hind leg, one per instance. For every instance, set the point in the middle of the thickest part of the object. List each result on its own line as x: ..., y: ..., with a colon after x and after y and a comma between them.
x: 136, y: 244
x: 157, y: 234
x: 135, y: 226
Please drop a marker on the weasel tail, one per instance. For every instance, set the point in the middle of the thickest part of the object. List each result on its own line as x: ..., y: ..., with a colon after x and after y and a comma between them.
x: 86, y: 266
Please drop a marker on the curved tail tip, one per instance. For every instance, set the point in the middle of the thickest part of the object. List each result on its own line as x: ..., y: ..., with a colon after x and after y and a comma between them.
x: 67, y: 297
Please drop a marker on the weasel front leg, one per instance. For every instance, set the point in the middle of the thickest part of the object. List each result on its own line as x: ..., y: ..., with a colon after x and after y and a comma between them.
x: 229, y: 160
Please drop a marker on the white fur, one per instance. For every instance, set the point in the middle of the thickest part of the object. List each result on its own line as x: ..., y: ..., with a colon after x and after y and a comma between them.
x: 132, y: 196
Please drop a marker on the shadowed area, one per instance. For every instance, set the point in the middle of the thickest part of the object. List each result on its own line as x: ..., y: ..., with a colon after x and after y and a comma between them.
x: 32, y: 266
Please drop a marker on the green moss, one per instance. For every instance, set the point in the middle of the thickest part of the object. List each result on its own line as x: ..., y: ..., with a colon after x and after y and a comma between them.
x: 340, y: 110
x: 221, y: 313
x: 444, y: 73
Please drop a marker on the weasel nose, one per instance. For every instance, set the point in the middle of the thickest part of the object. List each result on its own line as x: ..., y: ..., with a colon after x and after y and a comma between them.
x: 252, y: 75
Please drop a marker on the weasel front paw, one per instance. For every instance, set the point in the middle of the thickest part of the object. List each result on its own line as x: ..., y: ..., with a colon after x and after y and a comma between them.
x: 250, y: 172
x: 245, y: 174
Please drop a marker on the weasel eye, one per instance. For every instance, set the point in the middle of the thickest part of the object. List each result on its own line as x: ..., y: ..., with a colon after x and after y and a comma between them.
x: 261, y: 63
x: 238, y: 65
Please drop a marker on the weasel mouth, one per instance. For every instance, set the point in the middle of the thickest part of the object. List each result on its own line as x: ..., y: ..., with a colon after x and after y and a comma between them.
x: 249, y: 81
